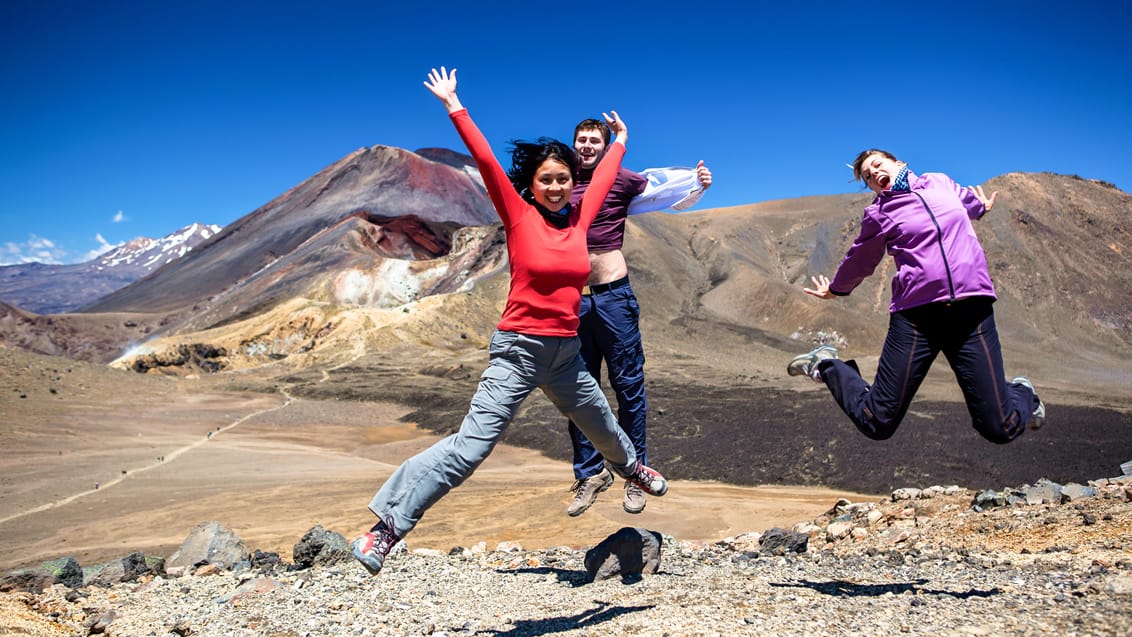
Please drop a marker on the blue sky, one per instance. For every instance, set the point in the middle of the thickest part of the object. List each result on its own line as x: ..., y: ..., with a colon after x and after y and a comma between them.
x: 126, y: 119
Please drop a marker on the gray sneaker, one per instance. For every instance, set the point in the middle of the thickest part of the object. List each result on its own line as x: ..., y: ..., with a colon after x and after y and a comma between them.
x: 635, y: 498
x: 1038, y: 418
x: 807, y: 364
x: 586, y: 490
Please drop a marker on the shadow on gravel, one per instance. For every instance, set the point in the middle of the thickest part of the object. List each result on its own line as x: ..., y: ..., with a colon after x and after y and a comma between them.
x: 603, y: 612
x: 841, y: 588
x: 575, y: 578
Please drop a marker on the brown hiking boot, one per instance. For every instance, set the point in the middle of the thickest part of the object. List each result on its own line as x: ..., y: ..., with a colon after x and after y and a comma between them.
x: 586, y: 490
x: 635, y: 498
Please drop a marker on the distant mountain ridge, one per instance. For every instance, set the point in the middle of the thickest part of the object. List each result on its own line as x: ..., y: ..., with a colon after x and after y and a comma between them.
x: 55, y: 289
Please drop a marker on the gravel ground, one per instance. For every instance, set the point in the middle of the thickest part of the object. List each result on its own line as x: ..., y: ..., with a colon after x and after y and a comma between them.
x: 699, y: 591
x: 931, y: 566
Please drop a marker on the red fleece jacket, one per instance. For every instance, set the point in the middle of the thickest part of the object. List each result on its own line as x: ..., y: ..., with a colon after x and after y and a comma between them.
x: 549, y: 265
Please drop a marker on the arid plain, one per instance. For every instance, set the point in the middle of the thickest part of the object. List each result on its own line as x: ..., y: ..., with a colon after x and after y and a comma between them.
x: 98, y: 463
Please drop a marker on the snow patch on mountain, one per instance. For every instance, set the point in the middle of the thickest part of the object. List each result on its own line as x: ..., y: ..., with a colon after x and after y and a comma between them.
x: 151, y: 254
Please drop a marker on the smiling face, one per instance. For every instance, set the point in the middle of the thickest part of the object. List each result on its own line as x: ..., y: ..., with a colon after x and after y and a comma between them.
x: 552, y: 185
x: 879, y: 170
x: 589, y: 145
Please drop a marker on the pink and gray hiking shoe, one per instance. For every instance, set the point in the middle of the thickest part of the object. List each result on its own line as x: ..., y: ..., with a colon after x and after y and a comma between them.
x: 649, y: 480
x: 372, y: 548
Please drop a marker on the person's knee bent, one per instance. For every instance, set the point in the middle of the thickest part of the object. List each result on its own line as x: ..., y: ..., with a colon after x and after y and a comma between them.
x: 1006, y: 431
x: 877, y: 434
x: 877, y: 426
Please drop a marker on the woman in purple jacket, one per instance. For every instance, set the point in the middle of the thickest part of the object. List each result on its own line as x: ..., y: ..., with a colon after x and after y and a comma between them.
x: 942, y: 301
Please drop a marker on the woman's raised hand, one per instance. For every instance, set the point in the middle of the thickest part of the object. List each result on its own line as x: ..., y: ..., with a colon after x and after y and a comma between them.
x: 443, y: 86
x: 988, y: 202
x: 821, y: 287
x: 620, y: 130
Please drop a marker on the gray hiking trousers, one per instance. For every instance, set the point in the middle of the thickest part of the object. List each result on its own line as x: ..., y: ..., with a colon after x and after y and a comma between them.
x: 519, y: 363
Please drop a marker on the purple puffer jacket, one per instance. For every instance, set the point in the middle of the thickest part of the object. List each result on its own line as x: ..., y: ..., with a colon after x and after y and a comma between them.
x: 929, y: 234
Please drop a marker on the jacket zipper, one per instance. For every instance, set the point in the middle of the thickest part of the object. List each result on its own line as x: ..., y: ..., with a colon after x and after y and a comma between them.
x: 939, y: 240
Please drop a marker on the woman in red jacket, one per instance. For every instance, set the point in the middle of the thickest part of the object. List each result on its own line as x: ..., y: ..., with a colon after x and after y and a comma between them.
x: 535, y: 344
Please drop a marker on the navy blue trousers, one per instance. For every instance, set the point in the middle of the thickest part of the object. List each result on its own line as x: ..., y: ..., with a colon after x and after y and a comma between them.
x: 964, y: 331
x: 609, y: 331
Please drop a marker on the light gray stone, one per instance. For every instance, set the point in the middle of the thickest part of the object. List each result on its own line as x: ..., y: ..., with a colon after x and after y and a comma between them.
x: 210, y: 543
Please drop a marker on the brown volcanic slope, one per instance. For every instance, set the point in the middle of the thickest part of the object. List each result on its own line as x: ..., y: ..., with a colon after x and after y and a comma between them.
x: 353, y: 233
x: 372, y: 185
x: 85, y: 337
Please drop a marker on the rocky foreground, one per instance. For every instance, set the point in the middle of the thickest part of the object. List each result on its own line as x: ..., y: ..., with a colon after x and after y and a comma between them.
x: 1040, y: 559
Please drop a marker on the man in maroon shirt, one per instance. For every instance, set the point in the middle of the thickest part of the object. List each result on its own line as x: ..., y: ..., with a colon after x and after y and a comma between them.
x: 609, y: 312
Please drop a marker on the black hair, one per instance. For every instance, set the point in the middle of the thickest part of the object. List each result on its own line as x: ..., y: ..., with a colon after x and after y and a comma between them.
x: 526, y: 157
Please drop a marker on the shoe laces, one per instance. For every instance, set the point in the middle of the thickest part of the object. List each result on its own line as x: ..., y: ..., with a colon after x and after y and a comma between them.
x: 384, y: 537
x: 641, y: 474
x: 579, y: 485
